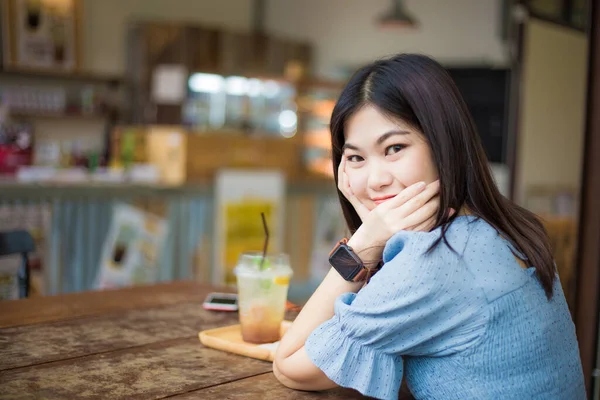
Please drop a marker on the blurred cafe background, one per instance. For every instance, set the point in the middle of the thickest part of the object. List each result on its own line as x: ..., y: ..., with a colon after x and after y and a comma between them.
x: 141, y: 139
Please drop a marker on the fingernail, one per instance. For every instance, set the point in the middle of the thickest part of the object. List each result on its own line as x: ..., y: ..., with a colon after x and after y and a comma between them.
x: 421, y: 185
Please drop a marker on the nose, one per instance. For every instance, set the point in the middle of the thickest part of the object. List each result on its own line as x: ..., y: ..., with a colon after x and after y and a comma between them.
x: 379, y: 176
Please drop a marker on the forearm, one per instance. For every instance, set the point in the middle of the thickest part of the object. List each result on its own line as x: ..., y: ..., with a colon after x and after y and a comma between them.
x: 319, y: 307
x: 317, y: 310
x: 292, y: 366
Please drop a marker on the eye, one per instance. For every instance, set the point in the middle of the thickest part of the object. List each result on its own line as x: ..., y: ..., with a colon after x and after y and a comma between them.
x: 354, y: 158
x: 393, y: 149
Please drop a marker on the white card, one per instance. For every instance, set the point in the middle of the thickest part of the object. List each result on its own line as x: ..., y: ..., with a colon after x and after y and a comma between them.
x: 169, y: 84
x: 270, y: 346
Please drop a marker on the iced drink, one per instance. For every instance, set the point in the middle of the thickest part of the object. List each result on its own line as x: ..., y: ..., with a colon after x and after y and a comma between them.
x: 262, y: 295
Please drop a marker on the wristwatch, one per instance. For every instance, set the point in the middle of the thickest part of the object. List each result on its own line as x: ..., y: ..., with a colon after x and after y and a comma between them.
x: 348, y: 264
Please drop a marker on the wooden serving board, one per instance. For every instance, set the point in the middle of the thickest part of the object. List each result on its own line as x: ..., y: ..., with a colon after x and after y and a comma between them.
x: 229, y: 338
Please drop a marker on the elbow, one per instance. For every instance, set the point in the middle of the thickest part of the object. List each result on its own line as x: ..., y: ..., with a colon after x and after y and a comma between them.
x: 282, y: 378
x: 288, y: 376
x: 280, y: 363
x: 277, y: 361
x: 276, y: 370
x: 278, y: 375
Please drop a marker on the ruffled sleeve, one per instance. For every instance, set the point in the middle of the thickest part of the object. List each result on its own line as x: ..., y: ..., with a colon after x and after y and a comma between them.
x: 420, y: 304
x: 350, y: 363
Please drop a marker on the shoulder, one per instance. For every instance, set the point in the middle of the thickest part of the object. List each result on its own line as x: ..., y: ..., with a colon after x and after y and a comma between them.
x: 471, y: 254
x: 417, y: 244
x: 430, y: 262
x: 474, y: 252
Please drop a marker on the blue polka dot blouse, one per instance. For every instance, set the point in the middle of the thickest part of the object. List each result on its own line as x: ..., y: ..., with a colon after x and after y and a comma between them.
x: 466, y: 322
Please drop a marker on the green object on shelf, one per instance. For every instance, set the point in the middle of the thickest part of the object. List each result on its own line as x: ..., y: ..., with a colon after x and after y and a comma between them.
x: 93, y: 161
x: 127, y: 149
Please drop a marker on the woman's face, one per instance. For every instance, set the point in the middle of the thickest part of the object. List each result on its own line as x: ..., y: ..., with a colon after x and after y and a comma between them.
x: 384, y: 156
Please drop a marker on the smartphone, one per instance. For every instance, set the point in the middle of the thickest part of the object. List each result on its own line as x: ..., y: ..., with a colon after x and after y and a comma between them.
x: 221, y: 302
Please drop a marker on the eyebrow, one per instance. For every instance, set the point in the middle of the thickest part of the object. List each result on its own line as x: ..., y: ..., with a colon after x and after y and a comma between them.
x: 379, y: 141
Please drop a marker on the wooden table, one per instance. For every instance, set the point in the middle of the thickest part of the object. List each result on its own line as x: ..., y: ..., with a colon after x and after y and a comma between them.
x: 137, y: 343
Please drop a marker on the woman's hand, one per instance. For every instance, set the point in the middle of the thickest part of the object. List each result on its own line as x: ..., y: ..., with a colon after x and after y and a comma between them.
x: 414, y: 208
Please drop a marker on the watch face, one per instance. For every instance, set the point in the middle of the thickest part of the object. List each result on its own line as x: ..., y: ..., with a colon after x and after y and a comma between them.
x: 344, y: 263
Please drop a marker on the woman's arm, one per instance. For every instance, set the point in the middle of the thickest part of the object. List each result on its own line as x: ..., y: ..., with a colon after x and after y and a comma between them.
x: 291, y: 365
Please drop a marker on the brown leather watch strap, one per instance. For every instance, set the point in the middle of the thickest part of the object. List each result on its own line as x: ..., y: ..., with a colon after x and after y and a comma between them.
x: 362, y: 275
x: 368, y: 273
x: 342, y: 241
x: 365, y: 274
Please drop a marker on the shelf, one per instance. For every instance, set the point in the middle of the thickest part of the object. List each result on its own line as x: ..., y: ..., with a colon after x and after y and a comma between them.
x: 51, y: 115
x: 73, y: 76
x: 12, y: 189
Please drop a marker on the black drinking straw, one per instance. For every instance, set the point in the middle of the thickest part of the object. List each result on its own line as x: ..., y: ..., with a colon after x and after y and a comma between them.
x: 264, y: 221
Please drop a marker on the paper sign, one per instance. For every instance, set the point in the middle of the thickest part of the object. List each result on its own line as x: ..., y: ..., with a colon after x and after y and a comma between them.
x: 241, y: 196
x: 131, y: 253
x: 169, y: 84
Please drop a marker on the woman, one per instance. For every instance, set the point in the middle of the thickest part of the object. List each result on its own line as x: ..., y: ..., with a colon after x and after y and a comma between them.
x: 467, y: 304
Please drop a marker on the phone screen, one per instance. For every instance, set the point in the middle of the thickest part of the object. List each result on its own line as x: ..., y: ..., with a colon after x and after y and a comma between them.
x: 221, y: 300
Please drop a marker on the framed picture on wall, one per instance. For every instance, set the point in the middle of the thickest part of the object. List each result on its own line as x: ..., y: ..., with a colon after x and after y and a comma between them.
x: 41, y: 34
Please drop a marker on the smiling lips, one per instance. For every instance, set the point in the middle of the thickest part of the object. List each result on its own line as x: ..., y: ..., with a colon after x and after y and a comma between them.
x: 379, y: 200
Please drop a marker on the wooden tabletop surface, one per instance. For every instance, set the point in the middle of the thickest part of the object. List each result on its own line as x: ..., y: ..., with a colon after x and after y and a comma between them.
x: 137, y: 343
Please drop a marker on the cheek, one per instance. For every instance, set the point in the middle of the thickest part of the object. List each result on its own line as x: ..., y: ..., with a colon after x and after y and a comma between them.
x: 430, y: 172
x: 417, y: 166
x: 426, y: 170
x: 358, y: 181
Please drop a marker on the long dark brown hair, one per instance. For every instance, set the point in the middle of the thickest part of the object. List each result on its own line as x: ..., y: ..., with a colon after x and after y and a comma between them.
x: 420, y: 92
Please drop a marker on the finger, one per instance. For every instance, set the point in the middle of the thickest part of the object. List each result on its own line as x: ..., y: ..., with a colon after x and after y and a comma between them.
x: 346, y: 189
x: 420, y: 199
x: 430, y: 223
x: 425, y: 226
x: 340, y: 172
x: 343, y: 182
x: 422, y: 214
x: 405, y: 195
x: 360, y: 208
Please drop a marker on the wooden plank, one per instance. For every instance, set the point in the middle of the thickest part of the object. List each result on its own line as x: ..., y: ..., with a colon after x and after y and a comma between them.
x: 28, y: 345
x: 265, y: 387
x: 588, y: 254
x: 148, y: 372
x: 55, y: 308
